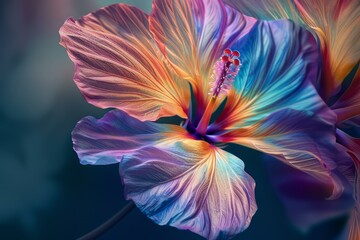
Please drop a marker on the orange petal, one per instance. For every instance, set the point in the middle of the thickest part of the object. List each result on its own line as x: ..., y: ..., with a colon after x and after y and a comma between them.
x: 193, y: 33
x: 117, y: 64
x: 337, y: 26
x: 354, y: 224
x: 348, y: 105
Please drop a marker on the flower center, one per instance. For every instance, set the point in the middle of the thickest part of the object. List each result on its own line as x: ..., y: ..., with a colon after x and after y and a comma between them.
x: 225, y: 71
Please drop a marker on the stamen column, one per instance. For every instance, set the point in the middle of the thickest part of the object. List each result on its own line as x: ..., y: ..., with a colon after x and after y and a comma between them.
x: 225, y: 71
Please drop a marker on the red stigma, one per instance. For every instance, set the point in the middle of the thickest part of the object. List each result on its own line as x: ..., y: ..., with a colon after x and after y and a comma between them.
x: 227, y: 51
x: 225, y: 58
x: 236, y: 54
x: 236, y: 62
x: 231, y: 57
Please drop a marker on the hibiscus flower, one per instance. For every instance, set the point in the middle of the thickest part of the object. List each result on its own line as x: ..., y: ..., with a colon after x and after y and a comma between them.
x: 231, y: 78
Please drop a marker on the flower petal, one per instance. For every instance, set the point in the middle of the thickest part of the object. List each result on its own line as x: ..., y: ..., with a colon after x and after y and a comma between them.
x: 348, y: 105
x: 305, y: 198
x: 267, y: 9
x: 165, y: 172
x: 351, y: 126
x: 193, y: 33
x: 337, y: 26
x: 299, y: 139
x: 105, y: 141
x: 191, y: 185
x: 117, y: 64
x: 279, y: 62
x: 353, y: 147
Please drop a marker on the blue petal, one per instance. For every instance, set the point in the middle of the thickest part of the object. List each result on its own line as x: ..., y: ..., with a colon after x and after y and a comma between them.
x: 279, y: 64
x: 280, y: 60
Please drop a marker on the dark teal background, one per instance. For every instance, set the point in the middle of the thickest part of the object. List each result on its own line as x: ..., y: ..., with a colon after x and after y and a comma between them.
x: 44, y: 192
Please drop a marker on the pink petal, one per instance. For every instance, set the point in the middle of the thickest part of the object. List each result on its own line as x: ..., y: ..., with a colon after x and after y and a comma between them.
x: 117, y: 64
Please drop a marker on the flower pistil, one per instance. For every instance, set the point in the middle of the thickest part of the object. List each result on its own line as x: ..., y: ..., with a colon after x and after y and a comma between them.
x: 225, y: 71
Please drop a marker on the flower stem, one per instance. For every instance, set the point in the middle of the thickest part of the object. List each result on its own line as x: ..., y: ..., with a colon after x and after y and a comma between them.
x: 109, y: 223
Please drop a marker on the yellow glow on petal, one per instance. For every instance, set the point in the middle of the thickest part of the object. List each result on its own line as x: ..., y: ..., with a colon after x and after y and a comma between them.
x: 118, y: 65
x: 337, y: 25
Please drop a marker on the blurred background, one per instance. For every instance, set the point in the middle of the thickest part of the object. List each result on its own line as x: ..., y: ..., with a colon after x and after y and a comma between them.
x: 44, y: 192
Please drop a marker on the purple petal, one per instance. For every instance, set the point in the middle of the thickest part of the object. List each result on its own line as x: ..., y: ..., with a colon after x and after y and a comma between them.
x: 347, y: 107
x: 191, y: 185
x: 106, y: 140
x: 305, y: 198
